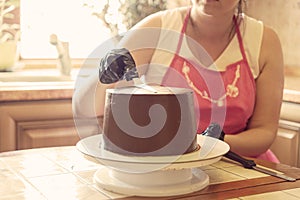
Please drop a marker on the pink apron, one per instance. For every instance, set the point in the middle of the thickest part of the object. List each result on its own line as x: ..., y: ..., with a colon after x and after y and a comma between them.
x: 223, y: 97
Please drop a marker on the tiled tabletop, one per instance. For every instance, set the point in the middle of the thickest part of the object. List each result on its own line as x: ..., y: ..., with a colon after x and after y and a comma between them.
x: 65, y: 173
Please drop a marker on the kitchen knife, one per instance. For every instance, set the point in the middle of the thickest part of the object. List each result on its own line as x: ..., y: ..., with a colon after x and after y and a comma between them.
x: 250, y: 164
x: 214, y: 130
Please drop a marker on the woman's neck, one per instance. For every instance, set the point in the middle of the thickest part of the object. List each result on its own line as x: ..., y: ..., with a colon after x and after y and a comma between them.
x: 213, y: 33
x: 212, y: 27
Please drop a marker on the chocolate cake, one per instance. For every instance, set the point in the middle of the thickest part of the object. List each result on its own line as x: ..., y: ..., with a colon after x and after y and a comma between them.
x: 138, y: 122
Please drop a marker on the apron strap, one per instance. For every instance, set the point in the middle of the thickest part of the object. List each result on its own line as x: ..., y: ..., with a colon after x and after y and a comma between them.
x: 239, y: 36
x: 186, y: 19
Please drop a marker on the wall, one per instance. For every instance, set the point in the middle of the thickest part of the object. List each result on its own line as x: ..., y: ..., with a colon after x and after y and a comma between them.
x: 284, y: 17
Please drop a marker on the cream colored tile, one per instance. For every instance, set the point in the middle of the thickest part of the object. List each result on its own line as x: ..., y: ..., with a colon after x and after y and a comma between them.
x: 87, y: 176
x: 208, y: 167
x: 67, y: 180
x: 11, y: 184
x: 29, y: 195
x: 246, y: 173
x: 78, y: 165
x: 295, y: 192
x: 33, y: 165
x: 56, y: 185
x: 220, y: 176
x: 65, y: 186
x: 270, y: 196
x: 110, y: 194
x: 73, y: 160
x: 66, y: 153
x: 60, y: 153
x: 224, y: 163
x: 2, y: 164
x: 77, y: 193
x: 95, y: 195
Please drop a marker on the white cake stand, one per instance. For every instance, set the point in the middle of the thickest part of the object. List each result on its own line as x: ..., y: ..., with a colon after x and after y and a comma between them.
x: 153, y: 176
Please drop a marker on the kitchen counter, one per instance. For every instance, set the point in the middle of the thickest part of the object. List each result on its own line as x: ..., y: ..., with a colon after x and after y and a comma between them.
x: 28, y: 85
x: 292, y: 89
x: 23, y: 91
x: 36, y: 91
x: 292, y: 85
x: 66, y: 173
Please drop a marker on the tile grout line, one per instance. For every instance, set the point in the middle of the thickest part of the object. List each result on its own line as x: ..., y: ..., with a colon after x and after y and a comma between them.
x: 22, y: 178
x: 82, y: 180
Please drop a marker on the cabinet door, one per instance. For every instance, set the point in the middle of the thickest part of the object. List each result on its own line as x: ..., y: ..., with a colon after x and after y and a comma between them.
x: 286, y: 144
x: 16, y: 117
x: 46, y: 134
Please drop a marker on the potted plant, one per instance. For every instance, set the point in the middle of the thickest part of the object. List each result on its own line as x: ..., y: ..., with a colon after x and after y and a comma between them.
x: 120, y: 15
x: 9, y: 34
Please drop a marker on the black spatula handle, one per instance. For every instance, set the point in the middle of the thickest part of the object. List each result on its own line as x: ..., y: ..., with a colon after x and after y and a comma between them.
x: 245, y: 162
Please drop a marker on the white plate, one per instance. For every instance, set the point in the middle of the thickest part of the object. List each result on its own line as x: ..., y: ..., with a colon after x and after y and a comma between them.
x: 210, y: 152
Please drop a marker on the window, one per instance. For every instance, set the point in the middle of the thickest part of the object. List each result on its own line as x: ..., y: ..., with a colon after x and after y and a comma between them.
x: 68, y: 19
x: 78, y: 23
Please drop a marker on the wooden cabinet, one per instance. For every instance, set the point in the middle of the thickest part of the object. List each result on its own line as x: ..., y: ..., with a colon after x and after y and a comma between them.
x: 287, y: 143
x: 47, y: 133
x: 31, y: 124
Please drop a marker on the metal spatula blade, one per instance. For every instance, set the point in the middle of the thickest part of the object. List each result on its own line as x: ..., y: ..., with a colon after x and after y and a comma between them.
x: 250, y: 164
x: 139, y: 83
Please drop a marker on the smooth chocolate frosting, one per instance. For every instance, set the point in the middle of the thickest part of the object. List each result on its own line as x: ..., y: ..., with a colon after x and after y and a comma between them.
x: 141, y: 123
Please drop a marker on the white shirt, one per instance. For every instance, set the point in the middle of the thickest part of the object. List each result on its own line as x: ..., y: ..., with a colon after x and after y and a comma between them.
x: 251, y: 30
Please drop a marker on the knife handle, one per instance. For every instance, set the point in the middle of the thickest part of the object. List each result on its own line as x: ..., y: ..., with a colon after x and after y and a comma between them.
x: 249, y: 164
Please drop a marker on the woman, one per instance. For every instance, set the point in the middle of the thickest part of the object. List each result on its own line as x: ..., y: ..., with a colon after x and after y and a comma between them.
x: 245, y: 55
